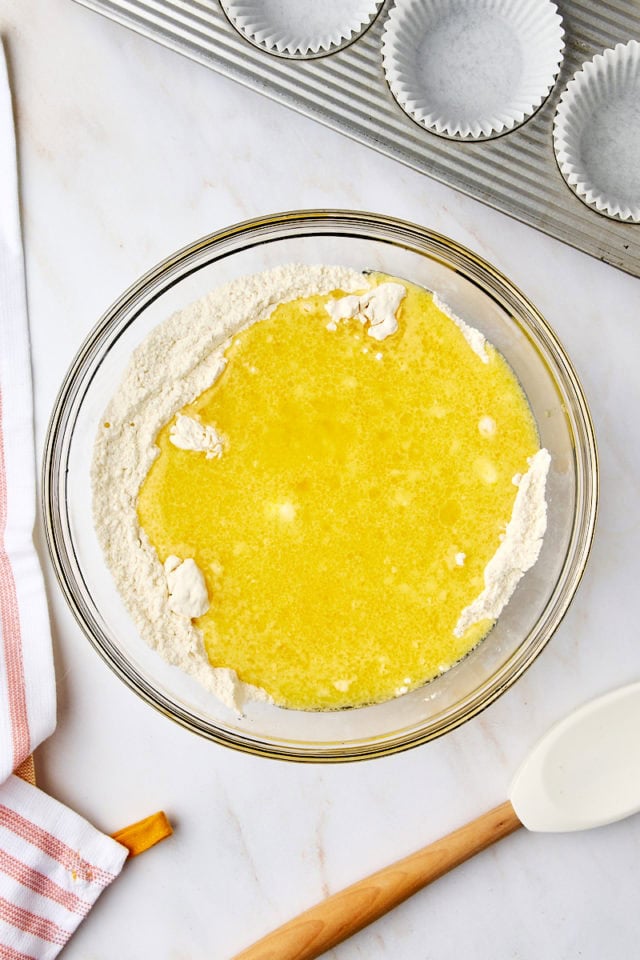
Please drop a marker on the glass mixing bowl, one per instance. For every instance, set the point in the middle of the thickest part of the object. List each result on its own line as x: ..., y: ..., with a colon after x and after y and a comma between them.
x: 474, y: 290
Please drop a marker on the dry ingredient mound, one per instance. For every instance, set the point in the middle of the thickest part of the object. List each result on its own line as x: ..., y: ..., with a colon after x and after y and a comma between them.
x: 174, y: 365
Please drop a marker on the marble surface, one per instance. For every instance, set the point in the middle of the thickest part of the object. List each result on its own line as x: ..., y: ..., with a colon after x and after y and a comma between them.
x: 127, y: 152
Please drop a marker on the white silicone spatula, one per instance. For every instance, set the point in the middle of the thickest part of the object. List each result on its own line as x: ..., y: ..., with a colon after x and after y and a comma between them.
x: 585, y: 772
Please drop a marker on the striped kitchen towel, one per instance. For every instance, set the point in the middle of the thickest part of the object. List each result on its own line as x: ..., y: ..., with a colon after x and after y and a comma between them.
x: 53, y: 864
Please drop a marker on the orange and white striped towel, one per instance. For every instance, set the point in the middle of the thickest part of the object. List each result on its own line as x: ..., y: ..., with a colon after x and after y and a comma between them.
x: 53, y: 864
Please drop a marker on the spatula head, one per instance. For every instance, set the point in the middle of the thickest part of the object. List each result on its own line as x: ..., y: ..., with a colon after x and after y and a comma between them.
x: 585, y: 771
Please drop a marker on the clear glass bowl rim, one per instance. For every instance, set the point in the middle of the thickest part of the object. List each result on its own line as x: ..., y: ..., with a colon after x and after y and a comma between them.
x: 281, y: 226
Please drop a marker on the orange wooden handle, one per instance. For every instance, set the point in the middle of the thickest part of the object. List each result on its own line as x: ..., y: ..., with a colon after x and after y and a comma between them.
x: 140, y: 836
x: 343, y: 914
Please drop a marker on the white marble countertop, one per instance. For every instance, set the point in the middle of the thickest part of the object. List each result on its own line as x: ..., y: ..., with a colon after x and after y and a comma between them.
x: 127, y: 152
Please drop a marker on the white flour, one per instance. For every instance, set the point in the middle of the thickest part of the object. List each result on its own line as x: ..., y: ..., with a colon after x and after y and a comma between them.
x: 378, y: 307
x: 180, y: 359
x: 474, y: 338
x: 519, y: 549
x: 189, y: 434
x: 186, y: 586
x: 177, y: 361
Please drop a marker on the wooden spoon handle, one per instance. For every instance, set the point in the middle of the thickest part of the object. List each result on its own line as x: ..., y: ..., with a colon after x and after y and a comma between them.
x: 343, y: 914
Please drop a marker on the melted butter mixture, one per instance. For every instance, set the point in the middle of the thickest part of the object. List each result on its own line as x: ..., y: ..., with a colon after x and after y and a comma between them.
x: 361, y: 493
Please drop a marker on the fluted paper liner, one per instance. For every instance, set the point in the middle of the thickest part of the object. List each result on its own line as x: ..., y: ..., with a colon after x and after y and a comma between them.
x: 297, y: 28
x: 470, y: 69
x: 596, y: 132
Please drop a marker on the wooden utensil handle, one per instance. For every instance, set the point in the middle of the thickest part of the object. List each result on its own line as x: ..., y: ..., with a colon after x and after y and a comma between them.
x: 343, y: 914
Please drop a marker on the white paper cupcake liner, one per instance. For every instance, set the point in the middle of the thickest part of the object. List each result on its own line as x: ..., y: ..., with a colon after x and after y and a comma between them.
x: 301, y: 28
x: 596, y: 132
x: 472, y: 68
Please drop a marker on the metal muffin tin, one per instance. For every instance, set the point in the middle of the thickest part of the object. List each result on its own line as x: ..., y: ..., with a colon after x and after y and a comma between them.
x: 516, y: 173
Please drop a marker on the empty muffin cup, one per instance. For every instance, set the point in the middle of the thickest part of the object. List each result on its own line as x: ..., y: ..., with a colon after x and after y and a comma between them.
x: 291, y: 28
x: 472, y: 69
x: 596, y: 133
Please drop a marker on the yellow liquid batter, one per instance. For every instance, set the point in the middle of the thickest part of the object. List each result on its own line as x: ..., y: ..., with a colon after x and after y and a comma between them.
x: 354, y: 476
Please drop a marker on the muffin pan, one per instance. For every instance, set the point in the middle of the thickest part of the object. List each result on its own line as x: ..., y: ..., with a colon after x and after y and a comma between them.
x: 516, y: 173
